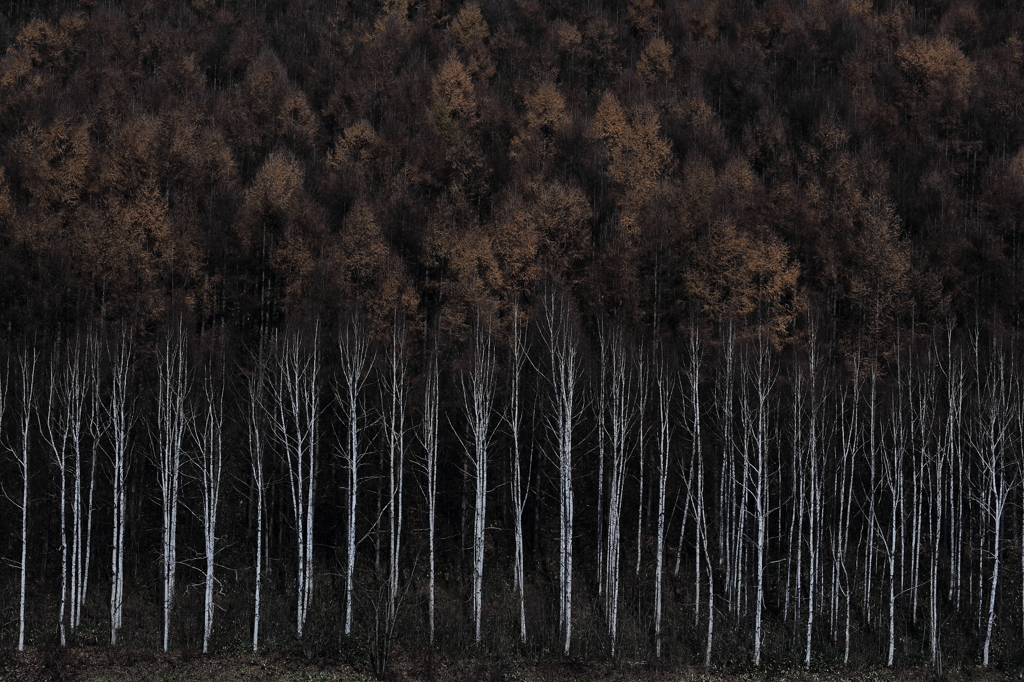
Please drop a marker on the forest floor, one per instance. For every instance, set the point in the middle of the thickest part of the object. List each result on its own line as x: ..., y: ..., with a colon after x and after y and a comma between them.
x: 101, y: 664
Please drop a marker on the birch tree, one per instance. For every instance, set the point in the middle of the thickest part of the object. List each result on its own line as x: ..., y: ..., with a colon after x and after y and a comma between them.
x: 759, y: 380
x: 520, y: 484
x: 353, y: 347
x: 256, y: 409
x: 562, y: 342
x: 429, y: 428
x: 209, y: 429
x: 478, y: 398
x: 173, y: 422
x: 295, y: 395
x: 121, y: 418
x: 394, y: 436
x: 622, y: 413
x: 664, y: 386
x: 994, y: 420
x: 27, y: 360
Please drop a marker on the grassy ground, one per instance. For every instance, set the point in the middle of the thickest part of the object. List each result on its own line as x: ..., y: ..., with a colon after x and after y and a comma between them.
x: 101, y: 664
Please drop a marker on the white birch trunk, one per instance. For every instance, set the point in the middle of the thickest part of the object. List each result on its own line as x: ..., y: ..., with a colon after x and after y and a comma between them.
x: 27, y: 360
x: 295, y: 392
x: 173, y: 420
x: 430, y: 424
x: 211, y: 458
x: 255, y: 423
x: 622, y: 396
x: 354, y: 350
x: 520, y: 485
x: 478, y: 398
x: 563, y: 349
x: 665, y: 387
x: 121, y: 416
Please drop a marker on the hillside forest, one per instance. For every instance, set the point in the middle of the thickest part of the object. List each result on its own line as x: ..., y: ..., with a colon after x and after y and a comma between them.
x: 586, y: 330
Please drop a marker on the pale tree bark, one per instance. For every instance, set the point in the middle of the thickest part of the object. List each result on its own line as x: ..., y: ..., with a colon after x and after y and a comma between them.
x: 394, y: 435
x: 55, y: 433
x: 949, y: 454
x: 520, y: 484
x: 173, y: 421
x: 478, y: 398
x: 600, y: 410
x: 695, y: 361
x: 209, y: 429
x: 849, y: 434
x: 665, y: 386
x: 642, y: 377
x: 121, y: 418
x: 622, y: 413
x: 994, y: 420
x: 295, y: 394
x: 759, y: 381
x: 354, y: 351
x: 256, y: 410
x: 27, y: 360
x: 814, y: 489
x: 893, y: 455
x: 430, y: 425
x: 97, y: 429
x: 562, y: 342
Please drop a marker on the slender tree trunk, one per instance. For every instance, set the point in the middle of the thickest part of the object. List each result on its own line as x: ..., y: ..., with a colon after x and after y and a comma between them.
x: 520, y: 486
x: 430, y: 423
x: 27, y: 361
x: 173, y: 420
x: 121, y: 416
x: 211, y: 458
x: 665, y: 387
x: 256, y: 423
x: 295, y: 392
x: 354, y: 350
x: 478, y: 399
x: 563, y: 349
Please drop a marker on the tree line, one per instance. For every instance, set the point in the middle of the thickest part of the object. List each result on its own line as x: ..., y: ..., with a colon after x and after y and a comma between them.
x: 321, y: 321
x: 799, y: 501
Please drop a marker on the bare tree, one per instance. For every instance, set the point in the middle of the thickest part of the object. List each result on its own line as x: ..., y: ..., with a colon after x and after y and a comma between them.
x: 295, y: 395
x: 520, y: 484
x: 256, y: 431
x: 665, y: 386
x: 121, y: 418
x: 173, y: 421
x: 759, y: 381
x: 209, y: 430
x: 394, y: 436
x: 622, y: 413
x: 27, y: 360
x: 478, y: 398
x: 561, y: 338
x: 353, y: 347
x: 430, y: 424
x: 991, y: 433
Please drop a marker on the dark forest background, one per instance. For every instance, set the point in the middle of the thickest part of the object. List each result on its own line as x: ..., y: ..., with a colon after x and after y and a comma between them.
x: 807, y: 214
